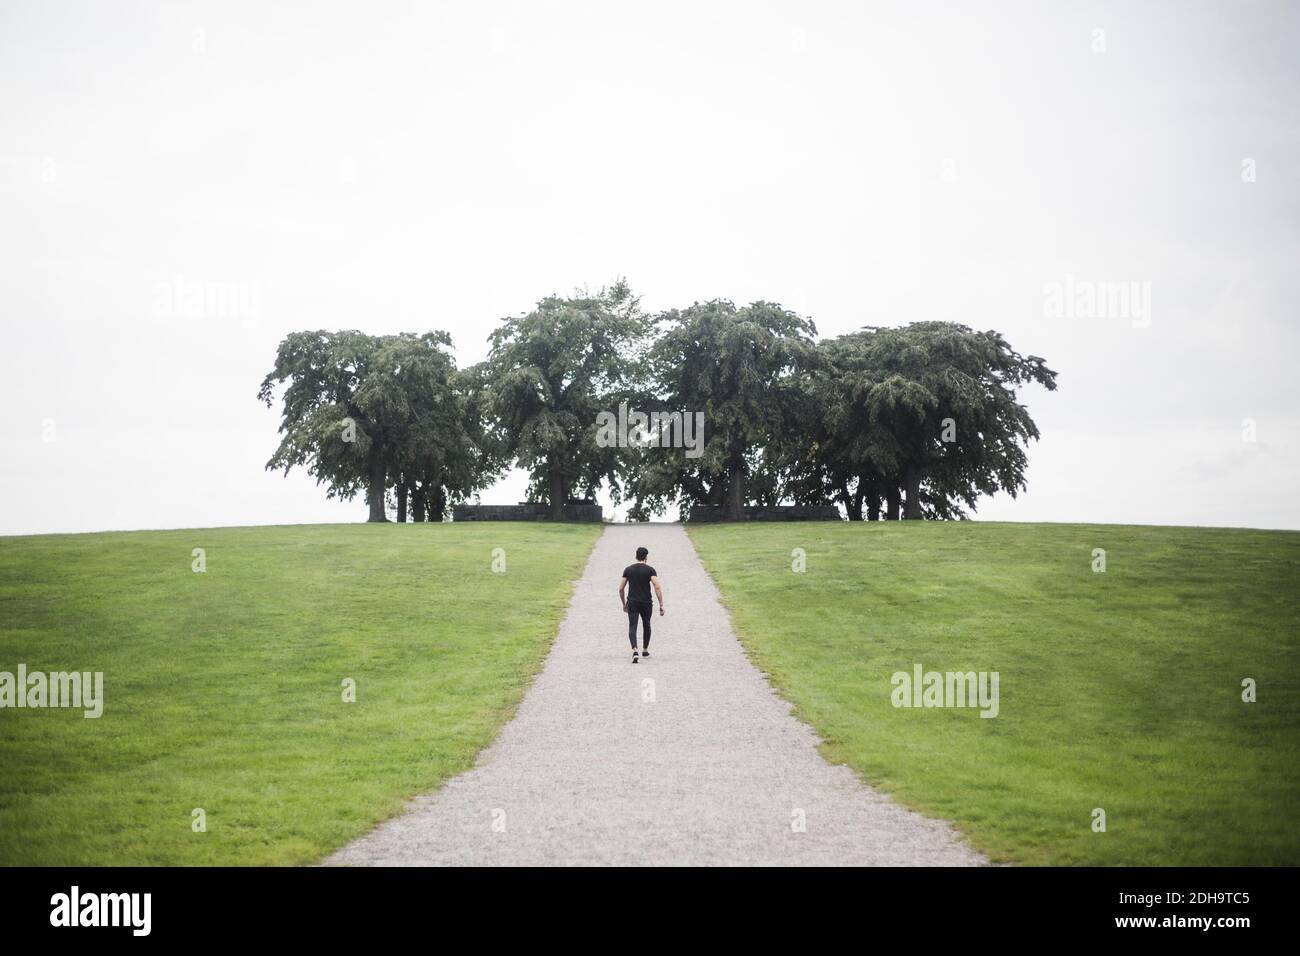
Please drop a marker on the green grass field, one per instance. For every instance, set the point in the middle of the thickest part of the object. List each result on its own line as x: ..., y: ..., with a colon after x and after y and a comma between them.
x: 224, y: 689
x: 1119, y: 690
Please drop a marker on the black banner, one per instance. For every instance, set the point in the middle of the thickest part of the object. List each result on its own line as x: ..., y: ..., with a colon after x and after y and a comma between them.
x: 335, y: 905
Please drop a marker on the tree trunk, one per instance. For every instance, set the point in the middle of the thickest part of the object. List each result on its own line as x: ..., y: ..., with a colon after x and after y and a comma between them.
x: 893, y: 500
x: 401, y: 500
x: 846, y: 499
x: 438, y: 504
x: 912, y: 482
x: 419, y: 503
x: 376, y: 474
x: 870, y: 496
x: 737, y: 491
x: 557, y: 495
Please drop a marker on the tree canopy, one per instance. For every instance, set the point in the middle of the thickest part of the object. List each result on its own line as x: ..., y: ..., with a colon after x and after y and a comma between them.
x: 550, y: 373
x: 917, y: 421
x: 362, y: 411
x: 741, y: 367
x: 924, y: 418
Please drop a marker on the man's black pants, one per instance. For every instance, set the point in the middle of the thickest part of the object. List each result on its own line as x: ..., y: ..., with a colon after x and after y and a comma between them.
x: 642, y: 610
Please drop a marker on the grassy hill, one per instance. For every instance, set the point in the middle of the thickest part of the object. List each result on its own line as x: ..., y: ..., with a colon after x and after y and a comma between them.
x: 1119, y: 690
x: 224, y: 689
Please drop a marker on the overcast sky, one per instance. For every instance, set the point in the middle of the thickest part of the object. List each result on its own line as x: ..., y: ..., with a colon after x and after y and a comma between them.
x: 183, y: 184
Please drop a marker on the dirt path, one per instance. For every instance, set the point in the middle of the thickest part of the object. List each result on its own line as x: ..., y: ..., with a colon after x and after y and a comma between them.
x: 688, y: 758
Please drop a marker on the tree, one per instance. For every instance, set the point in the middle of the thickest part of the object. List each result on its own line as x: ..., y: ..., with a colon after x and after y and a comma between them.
x: 949, y: 396
x: 549, y: 374
x: 837, y: 450
x: 742, y: 367
x: 451, y: 454
x: 925, y: 417
x: 358, y: 406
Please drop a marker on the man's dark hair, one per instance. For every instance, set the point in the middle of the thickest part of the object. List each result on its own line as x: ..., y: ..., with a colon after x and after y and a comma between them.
x: 642, y: 553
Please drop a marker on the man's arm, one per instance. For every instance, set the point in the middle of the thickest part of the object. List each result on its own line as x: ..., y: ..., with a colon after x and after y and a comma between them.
x: 659, y: 593
x: 622, y: 596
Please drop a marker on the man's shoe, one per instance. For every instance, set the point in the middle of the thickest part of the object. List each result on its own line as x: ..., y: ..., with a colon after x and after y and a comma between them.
x: 634, y: 657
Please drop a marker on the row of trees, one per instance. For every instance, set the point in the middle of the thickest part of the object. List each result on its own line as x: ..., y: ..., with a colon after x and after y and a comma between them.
x: 912, y: 422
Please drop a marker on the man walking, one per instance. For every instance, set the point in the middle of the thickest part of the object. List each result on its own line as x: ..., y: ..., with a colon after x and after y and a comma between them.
x: 637, y: 604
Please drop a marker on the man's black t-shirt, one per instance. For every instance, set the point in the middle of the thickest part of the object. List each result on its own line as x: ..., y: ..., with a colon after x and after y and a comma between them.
x: 638, y: 578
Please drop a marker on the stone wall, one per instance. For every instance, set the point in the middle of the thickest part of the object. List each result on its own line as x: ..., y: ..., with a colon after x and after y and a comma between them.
x: 526, y: 511
x: 706, y: 513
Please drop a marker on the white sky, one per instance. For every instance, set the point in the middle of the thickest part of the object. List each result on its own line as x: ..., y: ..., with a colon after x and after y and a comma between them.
x: 406, y: 166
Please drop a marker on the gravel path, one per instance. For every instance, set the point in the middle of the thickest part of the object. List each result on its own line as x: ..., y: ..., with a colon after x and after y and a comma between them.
x: 688, y: 758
